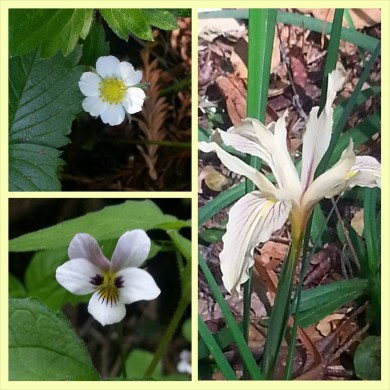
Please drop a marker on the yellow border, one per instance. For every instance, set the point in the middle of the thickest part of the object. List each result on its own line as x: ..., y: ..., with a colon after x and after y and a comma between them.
x: 195, y: 384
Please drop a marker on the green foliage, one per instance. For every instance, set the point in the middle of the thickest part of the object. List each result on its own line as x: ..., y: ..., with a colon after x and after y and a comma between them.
x: 43, y: 346
x: 41, y: 282
x: 186, y: 330
x: 321, y: 301
x: 138, y: 21
x: 44, y: 98
x: 94, y: 46
x: 16, y: 288
x: 111, y: 222
x: 49, y: 30
x: 367, y: 359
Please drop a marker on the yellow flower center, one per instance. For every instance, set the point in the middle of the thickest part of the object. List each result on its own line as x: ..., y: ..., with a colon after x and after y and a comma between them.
x: 107, y: 286
x: 112, y: 90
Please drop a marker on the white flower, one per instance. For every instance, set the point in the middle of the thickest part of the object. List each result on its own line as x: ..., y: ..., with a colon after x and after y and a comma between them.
x: 184, y: 365
x: 258, y: 214
x: 114, y: 283
x: 112, y: 90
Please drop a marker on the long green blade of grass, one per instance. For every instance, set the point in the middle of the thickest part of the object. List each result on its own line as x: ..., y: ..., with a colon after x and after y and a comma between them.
x: 215, y: 351
x: 359, y: 39
x: 245, y: 352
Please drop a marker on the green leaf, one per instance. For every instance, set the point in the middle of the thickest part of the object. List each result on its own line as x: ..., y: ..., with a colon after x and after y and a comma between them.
x: 110, y: 222
x: 16, y: 288
x: 181, y: 12
x: 41, y: 282
x: 43, y: 346
x: 367, y: 359
x: 138, y: 22
x: 49, y: 30
x: 138, y: 361
x: 186, y: 330
x: 94, y: 46
x: 321, y: 301
x: 44, y: 98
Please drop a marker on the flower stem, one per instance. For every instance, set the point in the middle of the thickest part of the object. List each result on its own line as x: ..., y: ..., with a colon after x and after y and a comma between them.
x: 120, y: 347
x: 280, y: 312
x: 246, y: 312
x: 183, y: 303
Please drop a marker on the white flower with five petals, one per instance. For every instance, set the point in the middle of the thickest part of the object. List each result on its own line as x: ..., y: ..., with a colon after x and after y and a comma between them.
x: 258, y: 214
x: 114, y: 283
x: 112, y: 90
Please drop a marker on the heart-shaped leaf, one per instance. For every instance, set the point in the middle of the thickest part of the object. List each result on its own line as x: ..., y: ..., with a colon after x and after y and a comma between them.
x: 43, y: 346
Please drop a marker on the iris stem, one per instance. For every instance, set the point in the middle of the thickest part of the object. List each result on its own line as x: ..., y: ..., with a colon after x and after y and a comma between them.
x: 120, y: 347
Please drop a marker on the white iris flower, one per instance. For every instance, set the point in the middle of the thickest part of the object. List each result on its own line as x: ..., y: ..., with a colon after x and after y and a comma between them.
x: 258, y: 214
x: 112, y: 90
x: 114, y: 283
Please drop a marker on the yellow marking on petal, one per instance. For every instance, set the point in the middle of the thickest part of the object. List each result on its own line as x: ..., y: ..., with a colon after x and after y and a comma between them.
x: 108, y: 290
x: 112, y: 90
x: 351, y: 174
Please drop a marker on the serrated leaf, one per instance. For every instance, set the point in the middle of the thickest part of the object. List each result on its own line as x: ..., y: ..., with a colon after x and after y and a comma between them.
x: 104, y: 224
x: 367, y: 359
x: 49, y: 30
x: 44, y: 98
x: 181, y: 12
x: 138, y: 22
x: 161, y: 18
x: 95, y: 46
x: 43, y: 346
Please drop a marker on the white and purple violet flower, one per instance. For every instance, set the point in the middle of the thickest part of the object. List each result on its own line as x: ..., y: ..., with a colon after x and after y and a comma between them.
x: 113, y: 283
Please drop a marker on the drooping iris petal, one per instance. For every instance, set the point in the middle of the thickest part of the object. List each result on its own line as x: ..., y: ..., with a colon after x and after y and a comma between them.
x: 113, y: 115
x: 254, y: 138
x: 131, y: 250
x: 85, y: 246
x: 138, y: 285
x: 105, y: 312
x: 318, y: 131
x: 89, y: 84
x: 134, y: 100
x: 106, y: 66
x: 238, y: 166
x: 332, y: 182
x: 251, y: 220
x: 367, y: 172
x: 75, y: 275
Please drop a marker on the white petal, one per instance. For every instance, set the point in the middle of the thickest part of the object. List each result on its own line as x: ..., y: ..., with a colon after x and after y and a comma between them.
x: 252, y: 220
x: 318, y: 132
x: 128, y: 74
x: 254, y: 138
x: 113, y: 114
x: 107, y: 66
x: 238, y: 166
x: 75, y: 275
x: 134, y: 100
x: 137, y: 285
x: 86, y: 247
x: 332, y: 182
x: 368, y: 172
x: 131, y: 250
x: 106, y: 313
x: 89, y: 84
x: 94, y: 105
